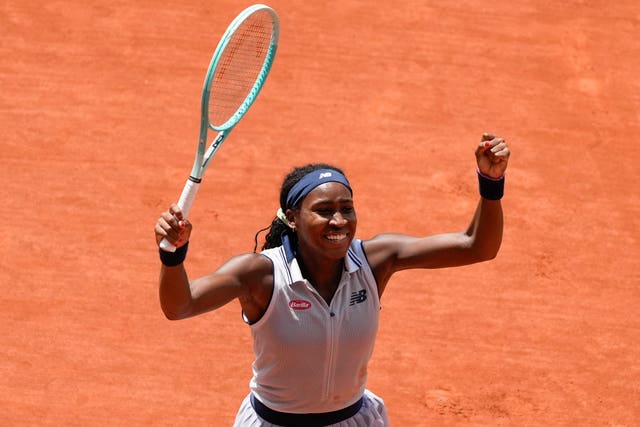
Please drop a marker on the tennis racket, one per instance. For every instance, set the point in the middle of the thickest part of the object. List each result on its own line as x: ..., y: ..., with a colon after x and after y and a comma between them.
x: 236, y: 74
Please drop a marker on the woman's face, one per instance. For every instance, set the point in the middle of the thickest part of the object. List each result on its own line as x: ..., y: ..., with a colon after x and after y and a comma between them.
x: 326, y: 221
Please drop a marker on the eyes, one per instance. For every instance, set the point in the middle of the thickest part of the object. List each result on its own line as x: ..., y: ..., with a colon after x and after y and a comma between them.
x: 329, y: 211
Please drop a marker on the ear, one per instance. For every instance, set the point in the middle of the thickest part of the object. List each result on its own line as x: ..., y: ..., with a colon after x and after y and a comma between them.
x: 290, y: 214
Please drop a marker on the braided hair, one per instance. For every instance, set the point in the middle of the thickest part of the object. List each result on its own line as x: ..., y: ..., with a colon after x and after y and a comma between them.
x: 273, y: 239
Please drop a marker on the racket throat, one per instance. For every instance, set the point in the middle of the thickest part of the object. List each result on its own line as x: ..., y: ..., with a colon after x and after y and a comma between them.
x: 215, y: 145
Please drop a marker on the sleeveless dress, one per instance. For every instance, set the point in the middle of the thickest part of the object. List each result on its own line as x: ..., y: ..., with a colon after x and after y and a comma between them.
x: 310, y: 356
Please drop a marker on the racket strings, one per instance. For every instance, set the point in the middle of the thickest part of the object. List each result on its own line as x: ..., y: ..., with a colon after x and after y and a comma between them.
x: 240, y: 66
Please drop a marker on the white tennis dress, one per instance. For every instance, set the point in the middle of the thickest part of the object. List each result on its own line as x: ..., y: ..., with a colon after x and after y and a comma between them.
x: 311, y: 357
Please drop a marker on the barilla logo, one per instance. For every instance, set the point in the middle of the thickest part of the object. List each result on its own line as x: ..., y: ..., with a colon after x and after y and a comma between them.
x: 299, y: 304
x: 325, y: 175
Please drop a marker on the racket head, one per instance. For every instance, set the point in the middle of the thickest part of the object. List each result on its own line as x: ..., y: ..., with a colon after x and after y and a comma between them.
x: 239, y: 66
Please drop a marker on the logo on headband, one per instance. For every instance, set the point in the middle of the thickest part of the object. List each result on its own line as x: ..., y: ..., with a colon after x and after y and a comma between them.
x: 310, y: 181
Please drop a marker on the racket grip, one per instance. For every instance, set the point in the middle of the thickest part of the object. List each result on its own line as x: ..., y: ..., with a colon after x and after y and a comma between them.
x: 184, y: 203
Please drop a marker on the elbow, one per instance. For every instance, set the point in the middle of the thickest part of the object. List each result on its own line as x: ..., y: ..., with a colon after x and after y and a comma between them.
x: 489, y: 253
x: 489, y: 256
x: 486, y: 252
x: 482, y: 257
x: 173, y: 313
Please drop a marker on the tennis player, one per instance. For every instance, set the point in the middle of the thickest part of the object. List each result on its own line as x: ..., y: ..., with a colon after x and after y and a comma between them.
x: 312, y: 295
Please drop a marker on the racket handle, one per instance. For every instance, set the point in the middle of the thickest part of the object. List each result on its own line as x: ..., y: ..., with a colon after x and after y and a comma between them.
x: 184, y: 203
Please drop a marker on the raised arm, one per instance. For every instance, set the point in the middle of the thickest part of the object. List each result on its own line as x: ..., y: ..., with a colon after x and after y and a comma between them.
x: 481, y: 241
x: 247, y: 277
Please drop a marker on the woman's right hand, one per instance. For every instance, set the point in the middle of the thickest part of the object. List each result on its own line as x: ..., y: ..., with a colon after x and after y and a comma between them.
x: 173, y: 226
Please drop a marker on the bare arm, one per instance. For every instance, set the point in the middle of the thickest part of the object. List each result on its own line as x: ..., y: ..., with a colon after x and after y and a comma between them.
x: 389, y: 253
x: 246, y: 277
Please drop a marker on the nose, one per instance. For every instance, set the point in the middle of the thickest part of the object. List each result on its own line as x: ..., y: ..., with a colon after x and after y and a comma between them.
x: 337, y: 219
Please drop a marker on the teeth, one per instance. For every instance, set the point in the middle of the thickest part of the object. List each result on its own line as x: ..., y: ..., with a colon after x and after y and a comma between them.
x: 336, y: 236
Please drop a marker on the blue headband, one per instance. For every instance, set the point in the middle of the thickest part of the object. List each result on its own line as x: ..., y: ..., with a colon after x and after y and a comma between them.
x: 310, y: 181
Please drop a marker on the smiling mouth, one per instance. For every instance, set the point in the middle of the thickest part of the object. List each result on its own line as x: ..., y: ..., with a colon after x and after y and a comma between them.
x: 336, y: 237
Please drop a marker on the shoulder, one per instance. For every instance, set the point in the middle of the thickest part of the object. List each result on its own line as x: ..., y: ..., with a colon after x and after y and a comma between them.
x: 382, y: 253
x: 254, y: 273
x: 383, y: 247
x: 248, y: 264
x: 246, y: 271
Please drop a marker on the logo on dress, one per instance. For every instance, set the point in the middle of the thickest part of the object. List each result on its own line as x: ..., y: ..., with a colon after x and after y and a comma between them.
x: 299, y: 304
x: 358, y: 297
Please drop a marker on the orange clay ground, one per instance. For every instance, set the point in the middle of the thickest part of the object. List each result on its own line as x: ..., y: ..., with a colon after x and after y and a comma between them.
x: 99, y: 118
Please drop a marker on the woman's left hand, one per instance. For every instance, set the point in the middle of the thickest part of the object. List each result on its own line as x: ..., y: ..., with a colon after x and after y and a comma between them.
x: 492, y: 155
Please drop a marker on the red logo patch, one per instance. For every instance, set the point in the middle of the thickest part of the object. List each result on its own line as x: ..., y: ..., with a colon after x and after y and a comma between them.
x: 299, y: 304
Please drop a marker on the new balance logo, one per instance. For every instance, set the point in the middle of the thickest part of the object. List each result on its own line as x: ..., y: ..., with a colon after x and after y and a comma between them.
x: 325, y: 175
x: 358, y: 297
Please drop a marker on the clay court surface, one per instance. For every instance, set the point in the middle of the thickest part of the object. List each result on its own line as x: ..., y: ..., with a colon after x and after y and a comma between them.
x: 100, y: 110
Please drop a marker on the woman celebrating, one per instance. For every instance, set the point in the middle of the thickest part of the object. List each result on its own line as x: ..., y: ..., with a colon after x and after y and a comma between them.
x: 312, y: 296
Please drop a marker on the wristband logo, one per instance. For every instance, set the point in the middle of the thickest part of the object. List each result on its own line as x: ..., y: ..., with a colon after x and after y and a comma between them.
x: 299, y: 304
